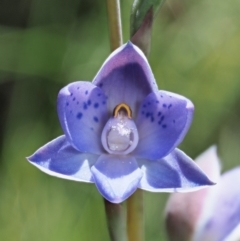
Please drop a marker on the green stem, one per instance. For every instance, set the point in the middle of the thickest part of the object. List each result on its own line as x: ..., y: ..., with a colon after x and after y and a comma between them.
x: 115, y: 25
x: 135, y: 217
x: 115, y: 213
x: 119, y: 229
x: 116, y: 220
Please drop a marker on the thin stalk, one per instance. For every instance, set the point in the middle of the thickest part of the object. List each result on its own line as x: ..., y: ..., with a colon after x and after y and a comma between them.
x: 115, y: 25
x: 116, y: 220
x: 135, y: 217
x: 115, y: 213
x: 122, y: 226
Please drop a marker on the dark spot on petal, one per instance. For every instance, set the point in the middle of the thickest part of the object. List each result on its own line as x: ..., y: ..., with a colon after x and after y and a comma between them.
x: 104, y: 102
x: 143, y: 112
x: 164, y: 105
x: 159, y: 113
x: 84, y: 105
x: 95, y: 119
x: 101, y: 85
x: 67, y: 104
x: 144, y: 106
x: 161, y: 120
x: 91, y: 128
x: 77, y: 102
x: 164, y: 126
x: 161, y: 96
x: 174, y: 121
x: 149, y: 103
x: 78, y: 87
x: 96, y: 105
x: 99, y: 94
x: 157, y: 101
x: 148, y: 114
x: 71, y: 94
x: 169, y: 106
x: 152, y: 119
x: 74, y: 99
x: 86, y: 92
x: 79, y: 115
x: 89, y: 102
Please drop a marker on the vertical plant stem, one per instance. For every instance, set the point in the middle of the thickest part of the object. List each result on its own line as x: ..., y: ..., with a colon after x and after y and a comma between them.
x: 116, y: 220
x: 123, y: 227
x: 135, y: 217
x: 115, y: 213
x: 115, y: 25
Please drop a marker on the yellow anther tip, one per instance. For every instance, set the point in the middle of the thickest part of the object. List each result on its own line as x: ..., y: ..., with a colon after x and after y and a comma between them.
x: 124, y: 107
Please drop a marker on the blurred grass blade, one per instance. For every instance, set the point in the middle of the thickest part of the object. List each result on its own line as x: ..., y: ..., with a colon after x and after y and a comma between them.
x: 143, y: 12
x: 142, y: 38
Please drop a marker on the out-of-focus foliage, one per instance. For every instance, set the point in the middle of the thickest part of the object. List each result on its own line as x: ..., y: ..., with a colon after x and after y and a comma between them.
x: 140, y: 9
x: 46, y: 44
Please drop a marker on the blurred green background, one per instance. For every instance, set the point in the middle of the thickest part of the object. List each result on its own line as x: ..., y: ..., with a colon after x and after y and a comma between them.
x: 45, y: 44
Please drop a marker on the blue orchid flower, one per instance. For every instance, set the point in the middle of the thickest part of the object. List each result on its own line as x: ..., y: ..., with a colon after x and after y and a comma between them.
x: 121, y: 132
x: 212, y: 214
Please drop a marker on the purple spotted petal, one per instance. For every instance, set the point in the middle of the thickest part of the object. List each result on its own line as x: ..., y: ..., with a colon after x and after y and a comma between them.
x: 162, y: 122
x: 222, y: 214
x: 126, y: 77
x: 58, y: 158
x: 176, y: 172
x: 116, y: 177
x: 82, y: 112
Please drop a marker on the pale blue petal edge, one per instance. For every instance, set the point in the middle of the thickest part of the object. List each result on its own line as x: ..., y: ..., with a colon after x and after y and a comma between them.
x: 116, y: 177
x: 175, y: 173
x: 58, y: 158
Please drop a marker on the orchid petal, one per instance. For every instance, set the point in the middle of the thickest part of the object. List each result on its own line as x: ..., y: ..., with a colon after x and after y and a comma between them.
x: 234, y: 235
x: 116, y: 176
x: 210, y: 163
x: 58, y: 158
x: 183, y: 210
x: 174, y: 173
x: 126, y: 77
x: 221, y: 216
x: 163, y: 120
x: 82, y: 112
